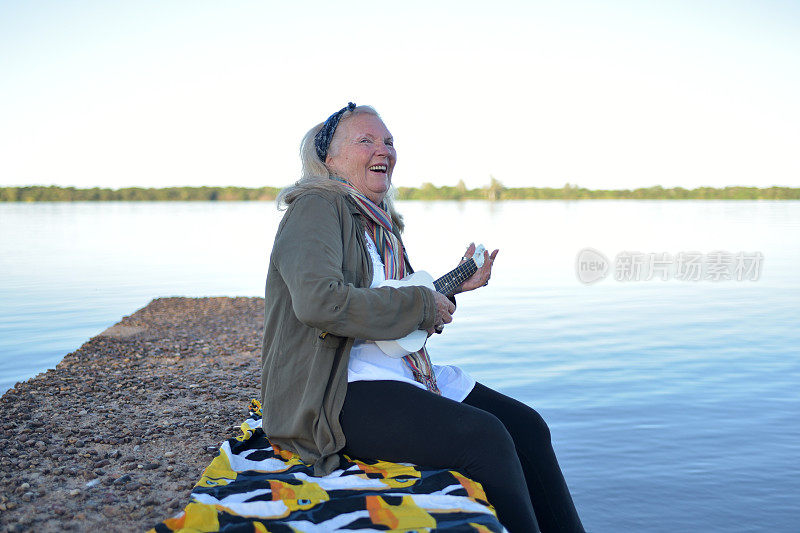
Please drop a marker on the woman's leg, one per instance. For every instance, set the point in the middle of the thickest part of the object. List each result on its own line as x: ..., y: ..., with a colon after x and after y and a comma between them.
x: 550, y: 496
x: 398, y: 422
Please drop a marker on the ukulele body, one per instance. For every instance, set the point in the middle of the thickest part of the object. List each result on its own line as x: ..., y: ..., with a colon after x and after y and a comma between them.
x: 447, y: 285
x: 414, y: 341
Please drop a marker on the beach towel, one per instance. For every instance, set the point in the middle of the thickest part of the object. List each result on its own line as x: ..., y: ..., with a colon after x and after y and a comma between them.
x: 252, y: 485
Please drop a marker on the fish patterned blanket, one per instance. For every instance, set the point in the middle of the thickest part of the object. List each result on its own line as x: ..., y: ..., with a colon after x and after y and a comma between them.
x: 254, y: 486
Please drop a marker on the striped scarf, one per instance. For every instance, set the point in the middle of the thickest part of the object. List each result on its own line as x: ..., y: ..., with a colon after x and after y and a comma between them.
x: 390, y: 248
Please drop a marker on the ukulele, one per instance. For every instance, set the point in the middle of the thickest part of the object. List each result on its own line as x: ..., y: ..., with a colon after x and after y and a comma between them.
x: 447, y: 285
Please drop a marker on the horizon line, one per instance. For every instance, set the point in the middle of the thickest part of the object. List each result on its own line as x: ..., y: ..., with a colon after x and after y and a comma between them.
x: 499, y: 184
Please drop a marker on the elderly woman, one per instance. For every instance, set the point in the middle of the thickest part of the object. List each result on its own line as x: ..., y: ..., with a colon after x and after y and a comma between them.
x: 326, y: 386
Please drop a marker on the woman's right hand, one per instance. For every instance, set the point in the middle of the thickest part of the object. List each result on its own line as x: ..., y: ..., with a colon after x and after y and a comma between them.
x: 444, y: 309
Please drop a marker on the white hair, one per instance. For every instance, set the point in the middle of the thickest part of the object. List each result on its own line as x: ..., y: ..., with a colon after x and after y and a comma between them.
x: 316, y: 175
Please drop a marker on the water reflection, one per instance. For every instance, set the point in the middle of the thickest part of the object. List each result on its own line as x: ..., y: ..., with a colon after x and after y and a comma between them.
x: 673, y: 404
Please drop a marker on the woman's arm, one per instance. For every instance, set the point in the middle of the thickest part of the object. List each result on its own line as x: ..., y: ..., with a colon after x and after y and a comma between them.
x: 308, y: 254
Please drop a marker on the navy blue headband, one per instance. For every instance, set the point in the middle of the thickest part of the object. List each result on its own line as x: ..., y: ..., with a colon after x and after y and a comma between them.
x: 323, y: 138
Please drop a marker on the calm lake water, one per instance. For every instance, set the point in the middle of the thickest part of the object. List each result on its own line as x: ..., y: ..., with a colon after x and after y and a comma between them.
x: 674, y: 405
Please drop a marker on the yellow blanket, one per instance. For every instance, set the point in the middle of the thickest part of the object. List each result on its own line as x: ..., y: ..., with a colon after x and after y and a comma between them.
x: 254, y: 486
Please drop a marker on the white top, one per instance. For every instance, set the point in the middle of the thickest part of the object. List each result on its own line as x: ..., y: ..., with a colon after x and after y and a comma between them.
x: 369, y: 363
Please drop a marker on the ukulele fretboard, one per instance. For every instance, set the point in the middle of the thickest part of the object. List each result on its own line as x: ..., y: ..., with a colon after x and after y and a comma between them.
x: 451, y: 281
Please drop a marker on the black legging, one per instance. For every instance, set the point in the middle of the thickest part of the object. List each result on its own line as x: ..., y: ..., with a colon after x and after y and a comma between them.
x: 489, y: 437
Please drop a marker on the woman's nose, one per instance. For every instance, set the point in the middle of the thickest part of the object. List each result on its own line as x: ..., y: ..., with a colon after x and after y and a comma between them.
x: 383, y: 149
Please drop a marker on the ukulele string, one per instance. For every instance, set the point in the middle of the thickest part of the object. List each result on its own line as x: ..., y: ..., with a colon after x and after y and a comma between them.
x: 459, y: 274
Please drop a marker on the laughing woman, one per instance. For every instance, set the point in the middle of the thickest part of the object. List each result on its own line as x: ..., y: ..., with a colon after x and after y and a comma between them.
x: 327, y: 388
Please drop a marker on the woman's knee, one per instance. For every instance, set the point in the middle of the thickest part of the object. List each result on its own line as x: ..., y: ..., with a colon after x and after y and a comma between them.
x: 534, y: 426
x: 485, y: 451
x: 488, y: 435
x: 522, y: 421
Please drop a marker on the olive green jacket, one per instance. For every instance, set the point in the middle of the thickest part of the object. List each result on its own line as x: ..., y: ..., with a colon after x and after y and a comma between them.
x: 317, y: 301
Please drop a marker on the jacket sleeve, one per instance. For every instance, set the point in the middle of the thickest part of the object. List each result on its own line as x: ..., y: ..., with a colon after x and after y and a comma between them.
x: 308, y: 254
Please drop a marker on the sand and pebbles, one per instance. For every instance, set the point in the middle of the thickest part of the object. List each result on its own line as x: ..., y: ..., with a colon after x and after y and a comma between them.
x: 114, y: 437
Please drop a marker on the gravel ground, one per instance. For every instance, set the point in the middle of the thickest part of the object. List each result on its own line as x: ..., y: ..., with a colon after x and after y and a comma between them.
x: 114, y: 438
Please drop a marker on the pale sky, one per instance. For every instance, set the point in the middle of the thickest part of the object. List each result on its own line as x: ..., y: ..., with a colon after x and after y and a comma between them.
x: 615, y: 94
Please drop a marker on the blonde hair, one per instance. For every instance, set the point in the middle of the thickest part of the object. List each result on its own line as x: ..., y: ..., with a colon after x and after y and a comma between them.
x: 316, y: 175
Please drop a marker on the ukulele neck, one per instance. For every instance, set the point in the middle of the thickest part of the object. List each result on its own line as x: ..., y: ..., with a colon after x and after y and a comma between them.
x: 450, y: 282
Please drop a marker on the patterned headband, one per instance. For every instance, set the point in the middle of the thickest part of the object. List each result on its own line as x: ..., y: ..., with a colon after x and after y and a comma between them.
x: 323, y: 138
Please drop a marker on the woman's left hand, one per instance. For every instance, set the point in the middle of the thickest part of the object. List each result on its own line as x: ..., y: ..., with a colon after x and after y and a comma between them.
x: 481, y: 277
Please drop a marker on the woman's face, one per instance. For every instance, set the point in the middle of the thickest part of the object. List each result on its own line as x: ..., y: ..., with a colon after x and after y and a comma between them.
x: 364, y: 155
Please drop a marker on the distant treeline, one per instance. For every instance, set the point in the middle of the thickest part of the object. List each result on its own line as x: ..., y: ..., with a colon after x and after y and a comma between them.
x: 53, y: 193
x: 493, y: 191
x: 496, y: 191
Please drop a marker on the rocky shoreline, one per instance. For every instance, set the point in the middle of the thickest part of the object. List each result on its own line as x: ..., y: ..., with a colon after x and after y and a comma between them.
x: 114, y: 438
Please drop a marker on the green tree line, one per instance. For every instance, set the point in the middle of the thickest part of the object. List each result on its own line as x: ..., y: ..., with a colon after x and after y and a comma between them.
x: 494, y: 190
x: 53, y: 193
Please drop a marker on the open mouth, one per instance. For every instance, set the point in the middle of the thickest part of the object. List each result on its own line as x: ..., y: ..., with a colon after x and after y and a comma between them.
x: 379, y: 168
